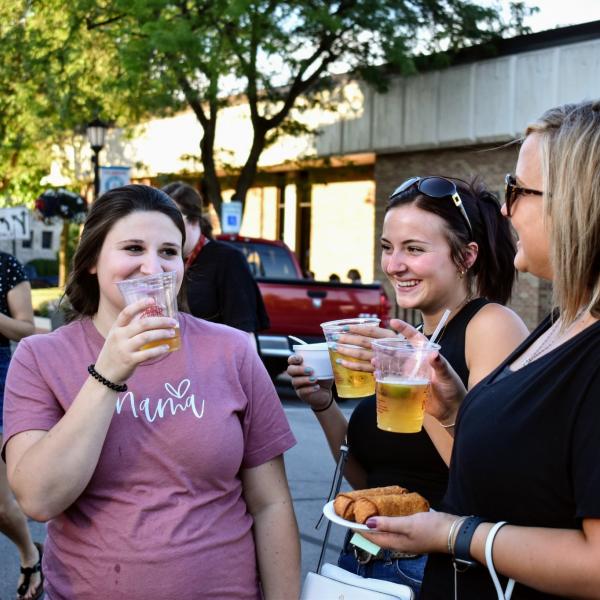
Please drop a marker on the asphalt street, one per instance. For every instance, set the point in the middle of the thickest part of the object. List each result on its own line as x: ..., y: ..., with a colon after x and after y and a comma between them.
x: 309, y: 468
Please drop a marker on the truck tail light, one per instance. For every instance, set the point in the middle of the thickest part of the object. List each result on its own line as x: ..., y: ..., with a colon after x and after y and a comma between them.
x: 385, y: 307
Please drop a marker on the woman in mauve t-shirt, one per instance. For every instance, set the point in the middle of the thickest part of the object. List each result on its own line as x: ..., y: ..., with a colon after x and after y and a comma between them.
x: 160, y: 473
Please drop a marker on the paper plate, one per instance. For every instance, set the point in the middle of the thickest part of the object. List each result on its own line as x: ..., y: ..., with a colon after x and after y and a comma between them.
x: 330, y: 513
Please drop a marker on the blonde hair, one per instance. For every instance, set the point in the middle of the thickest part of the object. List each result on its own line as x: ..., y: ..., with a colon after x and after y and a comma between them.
x: 570, y: 153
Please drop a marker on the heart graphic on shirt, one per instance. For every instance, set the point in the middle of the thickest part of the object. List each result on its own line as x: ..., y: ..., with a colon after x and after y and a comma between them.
x: 181, y: 390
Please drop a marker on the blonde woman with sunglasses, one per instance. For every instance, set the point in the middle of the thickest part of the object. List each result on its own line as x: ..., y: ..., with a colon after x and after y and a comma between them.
x: 524, y: 492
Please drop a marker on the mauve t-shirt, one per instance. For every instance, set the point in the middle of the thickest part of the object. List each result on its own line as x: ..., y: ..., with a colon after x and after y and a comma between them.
x: 163, y: 515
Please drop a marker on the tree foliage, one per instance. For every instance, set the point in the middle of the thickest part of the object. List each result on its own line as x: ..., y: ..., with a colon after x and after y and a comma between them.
x: 130, y: 59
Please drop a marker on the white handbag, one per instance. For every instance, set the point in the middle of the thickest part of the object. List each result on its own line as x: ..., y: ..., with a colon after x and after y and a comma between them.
x: 333, y: 583
x: 338, y: 584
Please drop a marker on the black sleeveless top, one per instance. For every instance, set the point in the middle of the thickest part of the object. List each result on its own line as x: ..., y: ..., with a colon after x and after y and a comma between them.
x: 409, y: 459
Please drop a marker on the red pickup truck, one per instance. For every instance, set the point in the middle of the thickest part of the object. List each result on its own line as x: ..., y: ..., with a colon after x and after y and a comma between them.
x: 297, y: 306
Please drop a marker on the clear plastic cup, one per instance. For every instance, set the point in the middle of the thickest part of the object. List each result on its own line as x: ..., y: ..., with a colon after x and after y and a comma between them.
x: 349, y: 383
x: 162, y: 288
x: 403, y: 375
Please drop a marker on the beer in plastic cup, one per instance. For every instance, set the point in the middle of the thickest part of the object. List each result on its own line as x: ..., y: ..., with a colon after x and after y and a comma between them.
x: 315, y: 356
x: 349, y: 383
x: 402, y: 373
x: 162, y: 288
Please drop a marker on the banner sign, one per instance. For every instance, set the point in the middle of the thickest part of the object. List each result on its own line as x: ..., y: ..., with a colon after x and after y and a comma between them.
x: 231, y: 216
x: 112, y: 177
x: 14, y: 223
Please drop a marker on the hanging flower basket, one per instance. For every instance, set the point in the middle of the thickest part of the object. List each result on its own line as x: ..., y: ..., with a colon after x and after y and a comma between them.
x: 61, y: 204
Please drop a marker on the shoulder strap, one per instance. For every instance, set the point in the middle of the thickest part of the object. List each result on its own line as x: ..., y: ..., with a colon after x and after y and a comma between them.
x: 333, y: 492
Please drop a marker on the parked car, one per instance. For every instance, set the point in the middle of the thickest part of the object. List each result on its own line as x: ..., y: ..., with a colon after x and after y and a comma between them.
x: 36, y: 279
x: 297, y: 306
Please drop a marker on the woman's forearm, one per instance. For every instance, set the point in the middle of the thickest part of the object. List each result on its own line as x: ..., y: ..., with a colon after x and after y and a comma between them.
x: 335, y: 427
x: 557, y: 561
x: 49, y: 470
x: 441, y: 437
x: 278, y: 551
x: 15, y: 329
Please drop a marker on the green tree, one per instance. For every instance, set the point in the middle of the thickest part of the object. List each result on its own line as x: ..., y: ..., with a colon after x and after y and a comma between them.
x: 276, y: 55
x: 130, y: 59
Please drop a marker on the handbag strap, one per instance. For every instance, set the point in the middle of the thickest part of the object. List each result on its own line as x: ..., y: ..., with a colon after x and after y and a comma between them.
x: 336, y: 484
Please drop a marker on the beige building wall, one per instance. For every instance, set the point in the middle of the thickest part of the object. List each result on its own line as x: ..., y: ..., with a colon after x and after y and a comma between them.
x: 343, y: 229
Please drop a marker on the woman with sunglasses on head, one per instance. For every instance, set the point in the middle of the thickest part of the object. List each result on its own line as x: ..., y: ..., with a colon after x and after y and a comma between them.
x: 160, y: 473
x: 445, y: 245
x: 524, y: 491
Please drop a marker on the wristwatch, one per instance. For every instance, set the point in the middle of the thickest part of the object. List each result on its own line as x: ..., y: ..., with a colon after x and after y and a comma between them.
x: 462, y: 545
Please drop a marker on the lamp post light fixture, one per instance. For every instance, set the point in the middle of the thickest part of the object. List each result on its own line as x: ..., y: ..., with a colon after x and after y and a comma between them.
x: 96, y: 133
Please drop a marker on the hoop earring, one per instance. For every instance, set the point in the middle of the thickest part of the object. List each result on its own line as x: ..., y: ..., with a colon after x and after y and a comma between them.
x: 461, y: 273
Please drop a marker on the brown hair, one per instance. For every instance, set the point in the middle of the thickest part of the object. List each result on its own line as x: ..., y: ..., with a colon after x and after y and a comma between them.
x: 82, y: 288
x: 570, y: 153
x: 493, y: 274
x: 187, y: 198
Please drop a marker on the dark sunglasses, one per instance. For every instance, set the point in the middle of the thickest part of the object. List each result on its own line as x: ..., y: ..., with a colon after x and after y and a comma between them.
x: 436, y: 187
x: 512, y: 192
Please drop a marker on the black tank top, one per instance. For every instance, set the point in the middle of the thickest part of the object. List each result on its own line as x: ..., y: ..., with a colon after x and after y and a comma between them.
x: 409, y: 459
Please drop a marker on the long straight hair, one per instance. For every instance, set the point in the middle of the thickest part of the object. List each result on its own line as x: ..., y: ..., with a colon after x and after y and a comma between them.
x: 570, y: 154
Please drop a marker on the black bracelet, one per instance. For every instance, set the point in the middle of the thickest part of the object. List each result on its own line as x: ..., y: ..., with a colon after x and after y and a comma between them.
x: 462, y: 543
x: 318, y: 410
x: 117, y: 387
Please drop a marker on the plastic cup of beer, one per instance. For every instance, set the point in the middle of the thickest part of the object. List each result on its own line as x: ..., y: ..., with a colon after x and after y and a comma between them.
x: 316, y: 356
x: 349, y: 383
x: 162, y: 288
x: 402, y: 374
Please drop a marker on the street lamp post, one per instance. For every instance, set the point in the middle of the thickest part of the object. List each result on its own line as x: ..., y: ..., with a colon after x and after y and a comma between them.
x: 96, y: 132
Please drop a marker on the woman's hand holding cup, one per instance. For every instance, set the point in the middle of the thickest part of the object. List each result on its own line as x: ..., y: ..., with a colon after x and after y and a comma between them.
x: 355, y: 344
x: 447, y: 389
x: 315, y: 392
x: 122, y: 351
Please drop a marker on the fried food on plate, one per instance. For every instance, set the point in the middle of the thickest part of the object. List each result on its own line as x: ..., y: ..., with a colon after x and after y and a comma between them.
x: 344, y: 502
x: 390, y: 505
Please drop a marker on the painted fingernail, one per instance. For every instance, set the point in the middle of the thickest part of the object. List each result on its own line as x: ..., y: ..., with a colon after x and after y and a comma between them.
x: 308, y: 371
x: 312, y: 379
x: 371, y: 523
x: 338, y: 361
x: 333, y: 346
x: 335, y: 337
x: 345, y: 328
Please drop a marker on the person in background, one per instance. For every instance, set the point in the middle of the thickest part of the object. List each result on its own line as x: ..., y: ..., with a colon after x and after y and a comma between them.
x: 220, y: 286
x: 161, y: 473
x: 335, y: 278
x: 444, y: 245
x: 354, y: 276
x: 523, y: 498
x: 16, y: 322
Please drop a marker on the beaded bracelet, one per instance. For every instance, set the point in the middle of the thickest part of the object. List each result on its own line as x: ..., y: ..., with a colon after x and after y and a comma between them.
x: 318, y: 410
x: 117, y: 387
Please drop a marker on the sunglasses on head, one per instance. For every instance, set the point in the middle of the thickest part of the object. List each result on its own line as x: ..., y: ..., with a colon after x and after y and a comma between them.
x: 512, y: 192
x: 436, y: 187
